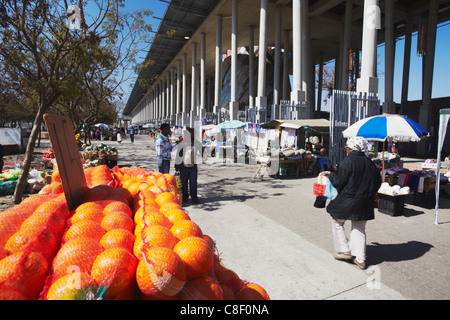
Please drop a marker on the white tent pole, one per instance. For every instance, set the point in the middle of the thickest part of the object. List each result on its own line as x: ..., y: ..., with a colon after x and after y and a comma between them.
x: 443, y: 124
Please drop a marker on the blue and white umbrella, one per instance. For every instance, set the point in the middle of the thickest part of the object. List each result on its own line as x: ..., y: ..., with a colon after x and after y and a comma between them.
x: 390, y: 127
x: 228, y: 125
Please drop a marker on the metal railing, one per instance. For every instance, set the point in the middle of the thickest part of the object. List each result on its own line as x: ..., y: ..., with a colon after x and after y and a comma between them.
x: 348, y: 107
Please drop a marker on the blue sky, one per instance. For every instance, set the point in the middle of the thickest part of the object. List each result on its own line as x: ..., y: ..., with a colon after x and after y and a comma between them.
x: 441, y: 86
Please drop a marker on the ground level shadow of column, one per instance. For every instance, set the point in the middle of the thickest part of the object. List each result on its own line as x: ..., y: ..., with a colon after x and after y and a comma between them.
x: 378, y: 252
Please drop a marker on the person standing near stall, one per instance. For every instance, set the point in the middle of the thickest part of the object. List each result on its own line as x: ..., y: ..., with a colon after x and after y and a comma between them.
x: 188, y: 155
x: 357, y: 180
x: 164, y: 148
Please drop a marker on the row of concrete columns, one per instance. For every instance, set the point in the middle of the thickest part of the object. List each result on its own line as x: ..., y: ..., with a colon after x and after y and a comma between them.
x: 160, y: 97
x: 169, y: 96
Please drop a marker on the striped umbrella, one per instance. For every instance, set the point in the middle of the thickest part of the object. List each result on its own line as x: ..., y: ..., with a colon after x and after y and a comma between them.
x: 390, y: 127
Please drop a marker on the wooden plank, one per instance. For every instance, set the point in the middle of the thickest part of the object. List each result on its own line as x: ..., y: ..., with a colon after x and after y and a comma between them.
x: 68, y: 159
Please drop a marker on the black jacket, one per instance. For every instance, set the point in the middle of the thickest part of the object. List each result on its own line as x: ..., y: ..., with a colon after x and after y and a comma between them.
x: 357, y: 180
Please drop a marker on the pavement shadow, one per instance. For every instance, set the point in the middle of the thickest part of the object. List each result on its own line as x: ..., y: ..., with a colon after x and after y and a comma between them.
x: 378, y: 252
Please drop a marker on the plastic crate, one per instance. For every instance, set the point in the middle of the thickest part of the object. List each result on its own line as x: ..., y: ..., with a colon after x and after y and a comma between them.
x: 391, y: 205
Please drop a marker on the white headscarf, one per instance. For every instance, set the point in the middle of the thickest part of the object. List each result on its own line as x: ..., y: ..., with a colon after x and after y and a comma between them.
x: 358, y: 144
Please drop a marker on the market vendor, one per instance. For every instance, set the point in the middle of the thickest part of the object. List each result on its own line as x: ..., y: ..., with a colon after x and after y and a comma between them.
x: 323, y: 162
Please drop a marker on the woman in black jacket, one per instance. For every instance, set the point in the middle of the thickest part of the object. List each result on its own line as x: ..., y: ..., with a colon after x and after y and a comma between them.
x: 357, y: 181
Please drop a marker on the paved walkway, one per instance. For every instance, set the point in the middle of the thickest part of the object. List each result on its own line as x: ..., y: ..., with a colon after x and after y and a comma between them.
x: 269, y: 232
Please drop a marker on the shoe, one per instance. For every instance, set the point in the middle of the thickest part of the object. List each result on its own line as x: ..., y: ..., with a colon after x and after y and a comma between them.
x: 342, y: 255
x: 196, y: 201
x: 361, y: 265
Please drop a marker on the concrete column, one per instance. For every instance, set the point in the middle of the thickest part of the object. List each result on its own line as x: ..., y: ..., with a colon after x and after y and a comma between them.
x: 406, y: 62
x: 203, y: 77
x: 261, y: 100
x: 193, y: 111
x: 347, y: 44
x: 168, y: 102
x: 172, y: 93
x: 389, y: 105
x: 251, y: 66
x: 218, y: 67
x: 234, y: 104
x: 184, y: 92
x: 277, y: 65
x: 286, y: 66
x: 297, y: 93
x: 372, y: 21
x: 428, y: 71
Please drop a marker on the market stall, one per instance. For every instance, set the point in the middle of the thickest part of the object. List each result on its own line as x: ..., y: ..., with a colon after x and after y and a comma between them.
x: 299, y: 143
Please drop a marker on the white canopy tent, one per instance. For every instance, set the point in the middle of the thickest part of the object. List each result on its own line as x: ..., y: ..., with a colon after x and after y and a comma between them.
x: 444, y: 117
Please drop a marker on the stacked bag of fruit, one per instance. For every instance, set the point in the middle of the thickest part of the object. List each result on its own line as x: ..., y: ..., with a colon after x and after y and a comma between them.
x: 129, y: 239
x: 176, y: 260
x: 30, y: 234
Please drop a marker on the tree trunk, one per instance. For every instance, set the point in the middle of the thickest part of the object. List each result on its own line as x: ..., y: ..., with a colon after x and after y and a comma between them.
x: 22, y: 181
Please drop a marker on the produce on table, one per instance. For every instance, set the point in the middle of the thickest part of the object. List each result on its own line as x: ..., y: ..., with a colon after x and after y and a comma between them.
x: 129, y: 239
x: 48, y: 155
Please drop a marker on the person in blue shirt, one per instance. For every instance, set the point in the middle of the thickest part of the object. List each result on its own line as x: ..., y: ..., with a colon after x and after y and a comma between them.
x: 164, y: 149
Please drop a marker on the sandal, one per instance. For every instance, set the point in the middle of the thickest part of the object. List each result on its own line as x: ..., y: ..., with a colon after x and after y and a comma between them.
x: 342, y: 255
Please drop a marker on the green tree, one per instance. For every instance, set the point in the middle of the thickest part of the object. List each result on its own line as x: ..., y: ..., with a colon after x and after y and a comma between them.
x: 45, y: 56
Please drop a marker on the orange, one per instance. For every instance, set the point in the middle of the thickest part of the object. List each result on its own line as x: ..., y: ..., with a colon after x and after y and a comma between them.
x: 165, y: 197
x: 87, y: 213
x: 171, y: 181
x: 124, y: 193
x: 138, y: 229
x: 226, y: 276
x: 202, y: 288
x: 156, y: 218
x: 177, y: 196
x: 127, y: 183
x: 137, y: 248
x: 57, y: 187
x: 98, y: 192
x: 134, y: 188
x: 117, y: 220
x: 42, y: 241
x: 210, y: 240
x: 186, y: 228
x: 169, y: 206
x: 68, y: 286
x: 85, y: 228
x: 55, y: 175
x: 115, y: 268
x: 252, y: 291
x: 197, y: 255
x: 162, y: 182
x: 25, y: 272
x: 78, y: 253
x: 161, y: 274
x: 155, y: 189
x: 93, y: 206
x: 117, y: 206
x: 176, y: 215
x: 158, y: 236
x: 45, y: 220
x: 118, y: 238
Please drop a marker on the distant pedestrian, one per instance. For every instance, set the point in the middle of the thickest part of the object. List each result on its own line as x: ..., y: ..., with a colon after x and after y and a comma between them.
x: 357, y: 180
x: 131, y: 133
x: 188, y: 155
x: 164, y: 149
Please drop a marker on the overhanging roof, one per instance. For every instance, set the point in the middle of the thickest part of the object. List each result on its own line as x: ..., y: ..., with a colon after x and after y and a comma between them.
x: 327, y: 19
x: 181, y: 19
x: 297, y: 124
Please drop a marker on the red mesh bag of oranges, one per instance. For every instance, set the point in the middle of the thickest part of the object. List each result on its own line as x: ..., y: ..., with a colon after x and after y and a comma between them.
x: 28, y: 252
x: 95, y: 260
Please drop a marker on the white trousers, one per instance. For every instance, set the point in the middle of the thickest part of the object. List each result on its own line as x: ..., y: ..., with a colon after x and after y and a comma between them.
x: 357, y: 242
